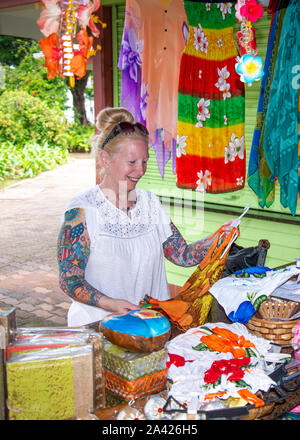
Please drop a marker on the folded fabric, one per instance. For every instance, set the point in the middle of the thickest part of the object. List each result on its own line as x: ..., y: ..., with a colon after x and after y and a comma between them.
x: 241, y: 294
x: 219, y: 360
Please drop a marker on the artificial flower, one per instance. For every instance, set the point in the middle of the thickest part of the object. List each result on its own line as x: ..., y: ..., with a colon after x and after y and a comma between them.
x: 79, y: 61
x: 48, y: 20
x: 84, y: 16
x: 250, y: 68
x: 204, y: 112
x: 237, y: 7
x: 50, y: 48
x: 251, y: 10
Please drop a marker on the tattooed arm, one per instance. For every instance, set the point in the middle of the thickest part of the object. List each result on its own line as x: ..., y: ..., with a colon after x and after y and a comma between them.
x: 179, y: 252
x: 73, y: 250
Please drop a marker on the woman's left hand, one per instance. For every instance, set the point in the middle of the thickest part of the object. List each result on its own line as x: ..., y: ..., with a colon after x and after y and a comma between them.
x: 227, y: 227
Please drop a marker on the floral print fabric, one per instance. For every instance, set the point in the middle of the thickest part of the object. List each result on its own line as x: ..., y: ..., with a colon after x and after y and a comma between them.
x: 199, y: 369
x: 210, y: 143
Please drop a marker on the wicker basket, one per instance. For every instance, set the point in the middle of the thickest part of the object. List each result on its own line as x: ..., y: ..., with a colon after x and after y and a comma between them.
x: 144, y: 386
x: 267, y: 321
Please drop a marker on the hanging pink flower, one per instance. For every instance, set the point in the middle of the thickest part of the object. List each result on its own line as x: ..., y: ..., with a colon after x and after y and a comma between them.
x: 84, y: 16
x: 48, y: 20
x: 252, y: 10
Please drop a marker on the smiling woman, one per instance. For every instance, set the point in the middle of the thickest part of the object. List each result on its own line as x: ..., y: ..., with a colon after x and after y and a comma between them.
x: 114, y: 237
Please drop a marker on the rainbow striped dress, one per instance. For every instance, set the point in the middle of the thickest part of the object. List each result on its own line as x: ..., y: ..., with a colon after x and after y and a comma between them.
x: 210, y: 154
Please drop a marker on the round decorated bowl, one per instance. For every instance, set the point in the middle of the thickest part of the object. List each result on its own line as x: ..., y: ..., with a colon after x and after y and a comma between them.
x: 142, y: 330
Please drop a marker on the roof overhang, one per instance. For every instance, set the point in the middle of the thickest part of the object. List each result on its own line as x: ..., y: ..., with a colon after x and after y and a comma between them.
x: 20, y: 20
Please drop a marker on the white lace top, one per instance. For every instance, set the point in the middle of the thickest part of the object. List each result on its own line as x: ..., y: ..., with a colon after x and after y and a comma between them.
x: 126, y: 257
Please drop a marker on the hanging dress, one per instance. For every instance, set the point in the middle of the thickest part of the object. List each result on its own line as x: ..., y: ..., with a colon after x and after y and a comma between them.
x: 260, y: 178
x: 152, y: 45
x: 281, y: 134
x: 211, y: 115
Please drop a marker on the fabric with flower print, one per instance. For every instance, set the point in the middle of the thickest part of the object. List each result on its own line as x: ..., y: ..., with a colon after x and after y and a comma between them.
x: 152, y: 43
x: 210, y: 102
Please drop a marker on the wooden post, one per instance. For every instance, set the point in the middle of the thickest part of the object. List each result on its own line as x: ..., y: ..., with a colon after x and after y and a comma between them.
x: 103, y: 66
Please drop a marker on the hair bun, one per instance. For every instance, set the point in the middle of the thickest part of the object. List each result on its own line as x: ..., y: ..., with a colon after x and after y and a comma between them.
x: 110, y: 116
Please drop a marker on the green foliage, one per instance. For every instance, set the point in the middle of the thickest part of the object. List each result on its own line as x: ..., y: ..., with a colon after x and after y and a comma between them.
x: 24, y: 118
x: 78, y: 137
x: 30, y: 75
x: 29, y: 160
x: 13, y: 49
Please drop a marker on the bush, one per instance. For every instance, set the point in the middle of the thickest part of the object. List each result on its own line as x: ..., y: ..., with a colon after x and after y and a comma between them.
x: 78, y: 137
x: 29, y: 160
x: 25, y: 118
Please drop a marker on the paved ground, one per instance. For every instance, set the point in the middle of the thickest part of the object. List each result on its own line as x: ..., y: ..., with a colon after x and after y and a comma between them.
x: 30, y: 213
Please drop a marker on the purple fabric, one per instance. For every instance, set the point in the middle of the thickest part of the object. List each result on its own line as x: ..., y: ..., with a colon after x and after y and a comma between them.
x: 130, y: 61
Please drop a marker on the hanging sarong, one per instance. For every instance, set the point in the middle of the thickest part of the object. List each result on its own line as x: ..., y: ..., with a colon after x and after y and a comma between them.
x: 260, y: 178
x: 281, y: 129
x: 152, y: 43
x: 211, y: 148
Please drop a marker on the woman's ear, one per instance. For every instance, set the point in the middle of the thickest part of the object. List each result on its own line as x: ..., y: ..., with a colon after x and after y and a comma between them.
x: 104, y: 158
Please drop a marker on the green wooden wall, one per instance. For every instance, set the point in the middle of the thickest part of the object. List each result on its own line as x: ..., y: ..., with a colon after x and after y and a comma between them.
x: 197, y: 216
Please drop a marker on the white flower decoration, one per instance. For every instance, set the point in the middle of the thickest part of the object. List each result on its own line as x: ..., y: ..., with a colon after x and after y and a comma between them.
x: 225, y: 120
x: 204, y: 180
x: 225, y: 8
x: 235, y: 148
x: 204, y: 112
x: 222, y: 84
x: 181, y: 144
x: 200, y: 40
x: 240, y: 181
x: 207, y: 6
x: 200, y: 74
x: 220, y: 43
x: 238, y: 145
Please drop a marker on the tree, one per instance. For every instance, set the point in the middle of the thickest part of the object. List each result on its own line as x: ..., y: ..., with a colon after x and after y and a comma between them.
x: 24, y: 72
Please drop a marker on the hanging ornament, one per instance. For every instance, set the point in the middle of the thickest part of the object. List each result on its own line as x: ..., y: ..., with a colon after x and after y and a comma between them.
x: 66, y: 52
x: 250, y: 68
x: 249, y: 65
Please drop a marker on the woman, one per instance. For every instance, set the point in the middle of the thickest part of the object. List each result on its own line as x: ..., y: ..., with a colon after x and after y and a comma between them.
x: 114, y: 237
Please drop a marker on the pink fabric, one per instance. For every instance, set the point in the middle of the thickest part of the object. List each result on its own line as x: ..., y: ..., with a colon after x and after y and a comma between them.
x: 159, y: 24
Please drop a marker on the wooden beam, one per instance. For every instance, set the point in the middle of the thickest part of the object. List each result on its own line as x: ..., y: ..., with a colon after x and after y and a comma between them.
x: 103, y: 66
x: 103, y: 63
x: 13, y: 3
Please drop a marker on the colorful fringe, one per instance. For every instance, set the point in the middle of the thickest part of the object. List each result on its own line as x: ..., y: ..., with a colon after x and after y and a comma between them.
x: 211, y: 116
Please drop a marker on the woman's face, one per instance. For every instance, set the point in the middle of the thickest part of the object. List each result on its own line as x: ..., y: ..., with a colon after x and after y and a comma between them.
x: 125, y: 168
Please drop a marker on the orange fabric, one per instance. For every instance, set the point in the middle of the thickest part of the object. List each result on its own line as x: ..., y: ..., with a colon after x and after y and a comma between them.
x: 250, y: 397
x: 190, y: 307
x: 225, y: 341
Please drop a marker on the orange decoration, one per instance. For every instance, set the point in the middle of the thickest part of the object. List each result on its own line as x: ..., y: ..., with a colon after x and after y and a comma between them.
x: 225, y: 341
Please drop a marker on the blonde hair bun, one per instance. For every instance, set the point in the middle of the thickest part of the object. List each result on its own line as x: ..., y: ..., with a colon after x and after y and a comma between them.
x: 110, y: 116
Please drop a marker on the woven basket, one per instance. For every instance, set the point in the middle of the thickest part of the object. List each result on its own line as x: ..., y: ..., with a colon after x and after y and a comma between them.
x: 144, y: 386
x: 267, y: 321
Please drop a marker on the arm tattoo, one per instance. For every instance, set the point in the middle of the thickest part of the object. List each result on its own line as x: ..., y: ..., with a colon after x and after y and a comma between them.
x: 179, y: 252
x: 73, y: 250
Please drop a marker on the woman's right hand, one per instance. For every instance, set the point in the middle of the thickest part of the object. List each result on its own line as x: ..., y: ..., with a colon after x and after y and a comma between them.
x: 117, y: 305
